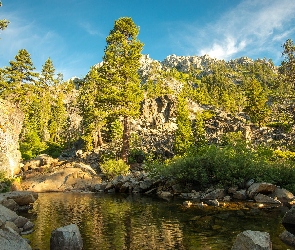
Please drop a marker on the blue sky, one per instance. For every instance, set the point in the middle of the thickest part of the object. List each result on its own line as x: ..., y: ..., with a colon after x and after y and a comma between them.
x: 72, y: 33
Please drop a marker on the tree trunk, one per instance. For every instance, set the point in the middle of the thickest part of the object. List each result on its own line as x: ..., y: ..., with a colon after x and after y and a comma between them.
x: 126, y: 138
x: 99, y: 137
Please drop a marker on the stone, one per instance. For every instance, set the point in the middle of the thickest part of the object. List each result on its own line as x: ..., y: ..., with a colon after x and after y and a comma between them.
x: 288, y: 238
x: 20, y: 221
x: 262, y: 188
x: 10, y: 226
x: 217, y: 194
x: 10, y: 204
x: 145, y: 184
x: 66, y: 238
x: 12, y: 241
x: 254, y: 240
x: 6, y: 214
x: 164, y: 194
x: 282, y: 195
x: 240, y: 194
x: 288, y: 220
x: 261, y: 198
x: 213, y: 203
x: 28, y: 226
x: 22, y: 198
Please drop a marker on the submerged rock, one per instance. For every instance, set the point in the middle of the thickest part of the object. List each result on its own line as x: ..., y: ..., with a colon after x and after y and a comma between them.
x: 254, y: 240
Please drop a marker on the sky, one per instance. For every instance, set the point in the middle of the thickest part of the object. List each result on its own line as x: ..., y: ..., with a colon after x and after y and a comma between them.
x: 73, y: 33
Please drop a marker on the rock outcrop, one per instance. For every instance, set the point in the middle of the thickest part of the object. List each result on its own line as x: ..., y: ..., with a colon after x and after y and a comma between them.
x: 11, y: 119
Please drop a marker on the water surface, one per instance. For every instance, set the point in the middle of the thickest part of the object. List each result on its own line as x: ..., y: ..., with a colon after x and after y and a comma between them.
x: 111, y: 221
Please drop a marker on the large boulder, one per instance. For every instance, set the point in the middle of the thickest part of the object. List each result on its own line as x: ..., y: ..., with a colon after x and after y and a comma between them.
x: 11, y: 120
x: 254, y: 240
x: 12, y: 241
x: 260, y: 188
x: 66, y: 238
x: 22, y: 198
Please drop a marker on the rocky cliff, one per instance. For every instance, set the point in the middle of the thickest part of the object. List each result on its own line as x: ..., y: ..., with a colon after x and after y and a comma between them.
x: 11, y: 119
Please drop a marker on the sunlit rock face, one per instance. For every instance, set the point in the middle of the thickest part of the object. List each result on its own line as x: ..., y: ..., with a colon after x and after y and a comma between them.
x: 11, y: 120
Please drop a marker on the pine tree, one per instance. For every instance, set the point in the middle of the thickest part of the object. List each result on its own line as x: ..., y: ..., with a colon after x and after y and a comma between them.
x: 256, y: 98
x: 20, y: 76
x: 119, y: 74
x: 183, y: 135
x: 91, y: 109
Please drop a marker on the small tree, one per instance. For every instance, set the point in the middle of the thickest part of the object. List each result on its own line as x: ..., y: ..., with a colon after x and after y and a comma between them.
x: 121, y: 91
x: 256, y: 98
x: 183, y: 135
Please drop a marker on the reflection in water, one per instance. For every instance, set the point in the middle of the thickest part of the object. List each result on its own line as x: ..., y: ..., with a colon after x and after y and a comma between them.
x: 138, y: 222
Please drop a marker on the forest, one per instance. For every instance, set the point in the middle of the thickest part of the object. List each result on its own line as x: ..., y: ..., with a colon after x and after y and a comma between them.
x: 110, y: 96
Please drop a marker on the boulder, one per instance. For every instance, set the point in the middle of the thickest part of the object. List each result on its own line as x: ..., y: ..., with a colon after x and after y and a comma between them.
x: 261, y: 198
x: 240, y: 194
x: 260, y: 188
x: 289, y: 220
x: 282, y: 195
x: 217, y: 194
x: 66, y: 238
x: 288, y: 238
x: 13, y: 241
x: 6, y: 214
x: 254, y: 240
x: 22, y: 198
x: 10, y: 204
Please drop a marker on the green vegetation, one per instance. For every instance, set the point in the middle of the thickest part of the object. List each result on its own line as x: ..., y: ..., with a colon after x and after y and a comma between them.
x: 112, y: 168
x: 230, y: 165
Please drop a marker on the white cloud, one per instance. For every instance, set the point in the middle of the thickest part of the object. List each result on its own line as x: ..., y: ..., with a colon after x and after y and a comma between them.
x: 90, y: 29
x: 249, y: 28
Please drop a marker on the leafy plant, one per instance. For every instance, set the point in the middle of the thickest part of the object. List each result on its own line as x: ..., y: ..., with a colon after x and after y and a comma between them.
x: 112, y: 168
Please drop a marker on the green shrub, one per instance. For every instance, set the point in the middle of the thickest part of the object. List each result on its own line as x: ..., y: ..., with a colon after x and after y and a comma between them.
x: 5, y: 183
x: 228, y: 166
x: 112, y: 168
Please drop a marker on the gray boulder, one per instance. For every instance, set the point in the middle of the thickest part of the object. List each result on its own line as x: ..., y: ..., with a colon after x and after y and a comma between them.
x: 217, y: 194
x: 12, y: 241
x: 282, y: 195
x: 66, y: 238
x: 6, y: 214
x: 254, y: 240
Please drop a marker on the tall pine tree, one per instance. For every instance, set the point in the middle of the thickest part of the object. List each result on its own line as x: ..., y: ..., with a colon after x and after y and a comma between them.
x: 121, y: 90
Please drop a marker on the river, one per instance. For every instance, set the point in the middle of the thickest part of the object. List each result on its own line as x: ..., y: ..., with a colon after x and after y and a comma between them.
x: 111, y: 221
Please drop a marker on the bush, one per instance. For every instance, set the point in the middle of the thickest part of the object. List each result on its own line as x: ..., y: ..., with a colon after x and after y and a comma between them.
x: 5, y: 183
x: 228, y: 166
x: 112, y: 168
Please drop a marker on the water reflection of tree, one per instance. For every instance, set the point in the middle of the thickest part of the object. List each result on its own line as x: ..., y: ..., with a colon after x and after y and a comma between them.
x: 106, y: 222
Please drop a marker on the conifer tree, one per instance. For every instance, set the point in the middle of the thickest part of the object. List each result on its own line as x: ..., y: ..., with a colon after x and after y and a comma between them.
x: 20, y: 76
x: 121, y: 90
x: 183, y: 135
x: 287, y: 68
x: 256, y: 98
x: 91, y: 109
